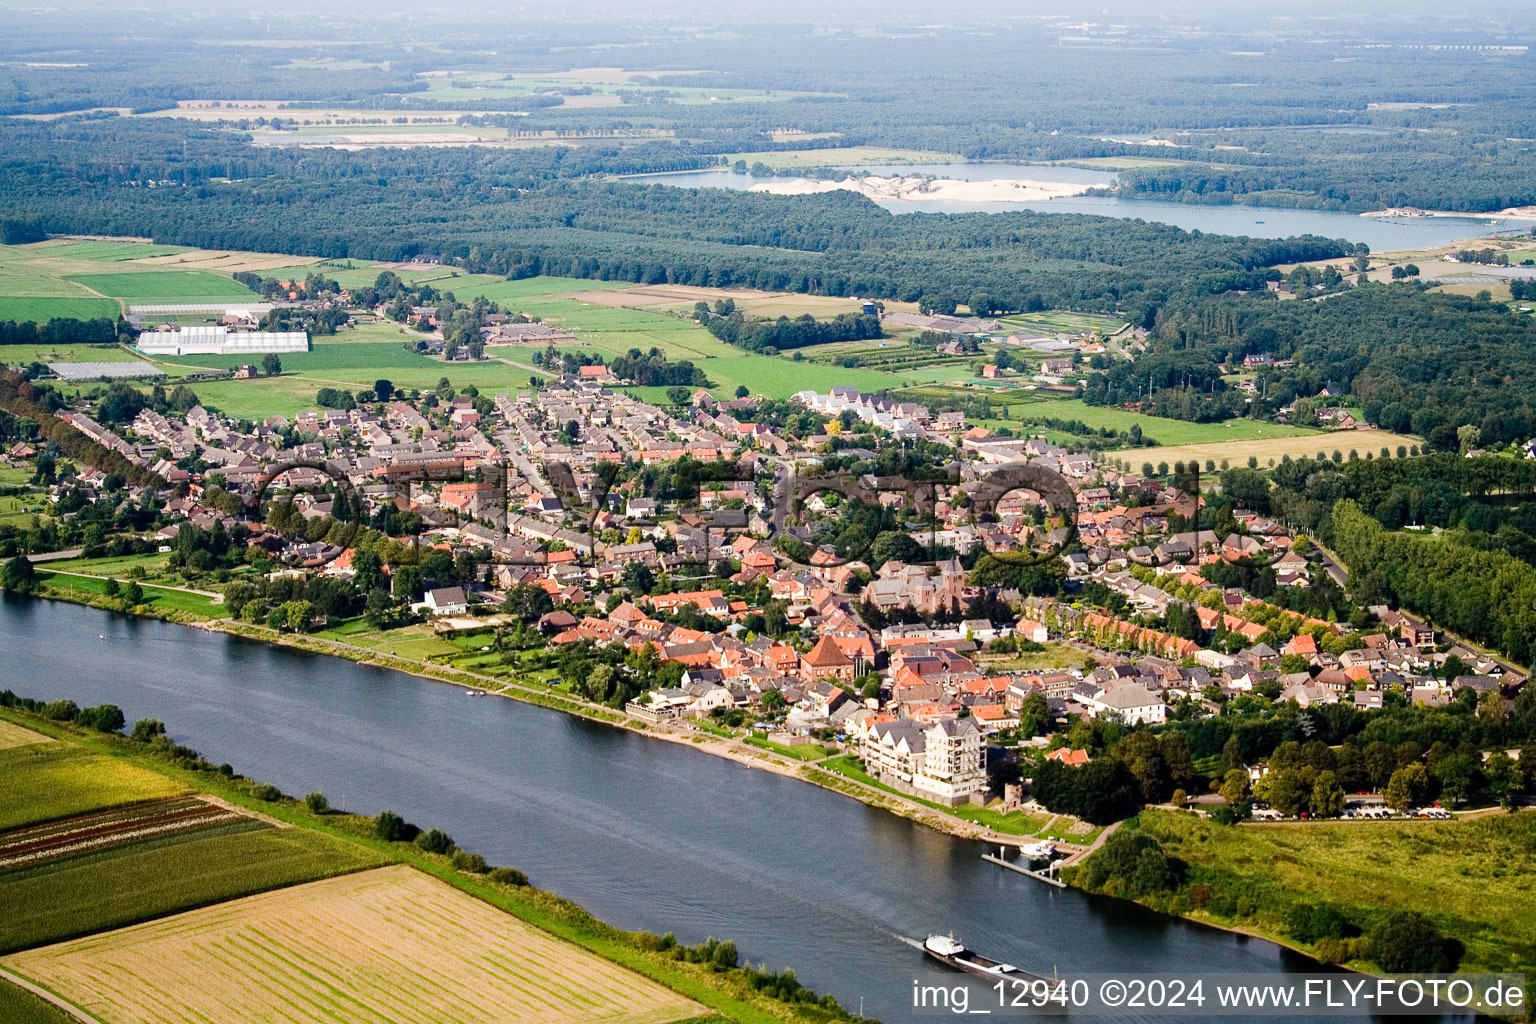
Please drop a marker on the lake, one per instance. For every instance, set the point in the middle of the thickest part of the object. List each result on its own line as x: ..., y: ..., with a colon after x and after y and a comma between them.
x: 1382, y: 234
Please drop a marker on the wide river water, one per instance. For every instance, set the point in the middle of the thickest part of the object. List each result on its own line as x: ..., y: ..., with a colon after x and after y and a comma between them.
x: 643, y: 833
x: 1381, y: 234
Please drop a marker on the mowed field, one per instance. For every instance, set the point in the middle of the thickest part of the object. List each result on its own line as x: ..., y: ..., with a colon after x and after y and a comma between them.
x: 45, y: 781
x: 391, y: 944
x: 1272, y: 450
x: 13, y: 735
x: 84, y: 279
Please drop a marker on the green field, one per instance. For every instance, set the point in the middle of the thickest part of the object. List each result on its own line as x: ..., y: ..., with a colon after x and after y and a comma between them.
x: 1476, y: 879
x: 18, y: 1006
x: 1060, y: 321
x: 155, y: 286
x: 44, y: 308
x: 20, y: 355
x: 47, y: 781
x: 1165, y: 431
x: 143, y: 880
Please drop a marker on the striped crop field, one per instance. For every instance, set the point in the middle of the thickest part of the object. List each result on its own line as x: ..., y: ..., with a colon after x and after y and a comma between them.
x: 387, y: 944
x: 88, y: 833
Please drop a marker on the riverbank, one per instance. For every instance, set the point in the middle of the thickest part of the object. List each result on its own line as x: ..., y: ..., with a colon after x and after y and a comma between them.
x: 681, y: 733
x: 726, y: 990
x: 1319, y: 888
x: 932, y: 190
x: 969, y: 823
x: 1511, y: 213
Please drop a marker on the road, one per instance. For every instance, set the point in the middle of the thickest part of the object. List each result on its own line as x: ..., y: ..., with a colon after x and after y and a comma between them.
x: 1331, y: 563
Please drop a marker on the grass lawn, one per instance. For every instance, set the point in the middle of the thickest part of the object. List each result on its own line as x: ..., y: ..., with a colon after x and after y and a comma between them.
x: 805, y: 752
x: 46, y: 781
x: 152, y: 564
x: 1054, y: 656
x: 155, y: 597
x: 1476, y: 879
x: 122, y: 885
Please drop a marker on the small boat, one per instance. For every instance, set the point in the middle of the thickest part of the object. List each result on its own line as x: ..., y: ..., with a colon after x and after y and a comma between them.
x: 101, y: 636
x: 1258, y: 222
x: 945, y: 949
x: 1038, y: 851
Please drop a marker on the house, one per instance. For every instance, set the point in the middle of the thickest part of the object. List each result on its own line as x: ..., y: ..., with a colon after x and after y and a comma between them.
x: 944, y: 761
x: 445, y: 601
x: 826, y: 661
x: 1029, y: 629
x: 1067, y: 756
x: 1132, y: 702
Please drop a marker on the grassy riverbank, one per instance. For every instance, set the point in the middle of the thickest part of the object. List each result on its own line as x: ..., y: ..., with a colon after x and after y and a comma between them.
x: 967, y: 822
x: 1475, y: 878
x: 727, y: 992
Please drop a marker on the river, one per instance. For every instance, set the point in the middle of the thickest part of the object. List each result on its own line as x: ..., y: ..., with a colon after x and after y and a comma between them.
x: 644, y: 834
x: 1382, y: 234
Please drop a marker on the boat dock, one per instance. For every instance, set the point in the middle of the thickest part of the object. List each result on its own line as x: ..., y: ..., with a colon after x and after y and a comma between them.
x: 1012, y: 866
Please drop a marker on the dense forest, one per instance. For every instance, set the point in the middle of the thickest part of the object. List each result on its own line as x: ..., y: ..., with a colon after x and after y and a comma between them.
x: 1419, y: 362
x: 776, y: 335
x: 472, y: 205
x: 1477, y: 578
x: 1286, y: 107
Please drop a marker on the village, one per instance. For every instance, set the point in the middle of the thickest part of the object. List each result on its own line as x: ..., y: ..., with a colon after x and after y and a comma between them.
x: 596, y: 522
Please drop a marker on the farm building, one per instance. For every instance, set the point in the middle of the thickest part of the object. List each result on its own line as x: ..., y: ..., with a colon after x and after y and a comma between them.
x: 222, y: 341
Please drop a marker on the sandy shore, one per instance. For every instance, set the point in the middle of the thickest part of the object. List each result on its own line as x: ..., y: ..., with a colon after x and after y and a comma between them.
x: 1511, y: 213
x: 929, y: 190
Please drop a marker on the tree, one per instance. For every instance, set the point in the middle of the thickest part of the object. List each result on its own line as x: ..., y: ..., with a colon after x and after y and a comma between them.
x: 1234, y: 786
x: 271, y: 365
x: 1034, y: 715
x: 1505, y: 779
x: 146, y: 729
x: 1286, y: 790
x: 638, y: 577
x: 435, y: 840
x: 742, y: 391
x: 19, y: 576
x: 1407, y: 787
x: 384, y: 389
x: 1405, y: 941
x: 317, y: 803
x: 1231, y: 755
x: 1457, y: 773
x: 390, y: 827
x: 133, y: 594
x: 297, y: 615
x: 895, y: 546
x: 1327, y: 796
x: 1467, y: 437
x: 678, y: 395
